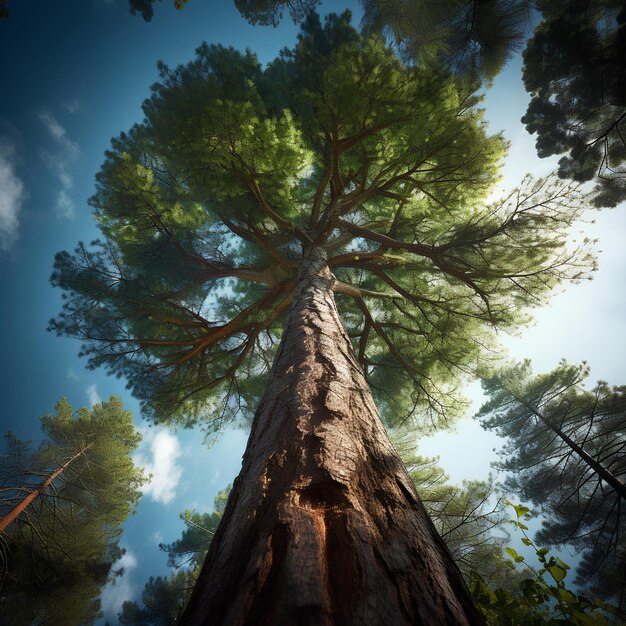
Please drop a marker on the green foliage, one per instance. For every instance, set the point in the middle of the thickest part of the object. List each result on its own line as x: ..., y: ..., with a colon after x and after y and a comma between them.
x: 270, y: 12
x: 164, y: 598
x: 575, y: 73
x: 206, y: 209
x: 61, y: 548
x: 542, y: 597
x: 566, y: 453
x: 463, y: 516
x: 146, y: 7
x: 475, y: 38
x: 191, y: 548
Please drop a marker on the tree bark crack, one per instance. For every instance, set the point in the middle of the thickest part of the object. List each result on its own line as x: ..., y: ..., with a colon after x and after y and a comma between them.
x: 322, y: 527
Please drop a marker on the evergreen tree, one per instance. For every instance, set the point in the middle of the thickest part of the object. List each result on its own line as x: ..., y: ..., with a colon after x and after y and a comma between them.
x: 468, y: 37
x: 191, y: 548
x: 575, y: 73
x: 232, y: 216
x: 164, y: 598
x: 567, y: 455
x: 464, y: 36
x: 270, y: 12
x: 465, y: 517
x: 60, y: 548
x: 146, y: 7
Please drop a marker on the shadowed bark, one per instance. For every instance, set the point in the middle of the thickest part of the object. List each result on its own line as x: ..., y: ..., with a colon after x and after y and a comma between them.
x: 323, y: 525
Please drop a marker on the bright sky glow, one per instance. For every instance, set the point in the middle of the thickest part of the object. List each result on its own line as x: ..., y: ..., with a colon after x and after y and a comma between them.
x: 161, y: 463
x: 122, y: 587
x: 11, y: 196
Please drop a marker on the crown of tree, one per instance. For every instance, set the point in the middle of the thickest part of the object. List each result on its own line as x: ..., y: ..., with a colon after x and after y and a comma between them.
x: 208, y: 206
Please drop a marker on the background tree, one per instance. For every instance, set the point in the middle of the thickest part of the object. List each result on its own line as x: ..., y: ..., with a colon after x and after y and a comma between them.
x: 164, y: 598
x: 191, y: 548
x: 61, y: 547
x: 146, y: 7
x: 567, y: 455
x: 268, y: 12
x: 467, y: 37
x: 575, y: 73
x: 336, y: 169
x: 466, y: 517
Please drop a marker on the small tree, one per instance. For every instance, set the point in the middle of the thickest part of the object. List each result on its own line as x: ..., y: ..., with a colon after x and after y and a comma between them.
x: 164, y: 598
x: 64, y: 507
x: 465, y: 517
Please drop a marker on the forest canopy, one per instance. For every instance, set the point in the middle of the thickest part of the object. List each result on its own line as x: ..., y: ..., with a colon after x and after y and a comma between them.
x: 238, y: 168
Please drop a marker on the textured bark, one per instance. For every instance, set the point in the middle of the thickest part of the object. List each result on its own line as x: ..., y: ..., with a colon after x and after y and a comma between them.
x: 323, y: 525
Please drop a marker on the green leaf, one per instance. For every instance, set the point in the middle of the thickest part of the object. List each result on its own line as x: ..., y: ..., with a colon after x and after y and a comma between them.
x: 521, y: 510
x: 514, y: 555
x: 557, y: 572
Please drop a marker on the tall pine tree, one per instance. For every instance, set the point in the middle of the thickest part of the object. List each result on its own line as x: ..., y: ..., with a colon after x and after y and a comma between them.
x: 231, y: 217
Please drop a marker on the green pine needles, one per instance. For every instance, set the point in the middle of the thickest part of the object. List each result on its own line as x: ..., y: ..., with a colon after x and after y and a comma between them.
x: 207, y: 207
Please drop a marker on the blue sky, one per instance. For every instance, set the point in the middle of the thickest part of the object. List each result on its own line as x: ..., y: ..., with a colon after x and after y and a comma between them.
x: 73, y: 73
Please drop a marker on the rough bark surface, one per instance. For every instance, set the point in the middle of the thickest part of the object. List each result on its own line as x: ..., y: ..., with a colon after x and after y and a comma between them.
x: 323, y: 525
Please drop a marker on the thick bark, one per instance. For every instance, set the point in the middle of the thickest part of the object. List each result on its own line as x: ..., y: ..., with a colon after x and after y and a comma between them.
x: 323, y: 525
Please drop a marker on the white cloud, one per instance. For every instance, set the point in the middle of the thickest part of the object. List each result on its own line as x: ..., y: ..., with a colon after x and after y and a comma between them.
x: 161, y: 463
x: 59, y: 163
x: 11, y: 196
x: 216, y: 476
x: 73, y: 106
x: 72, y: 375
x: 120, y: 588
x: 65, y: 207
x: 157, y: 537
x: 93, y: 395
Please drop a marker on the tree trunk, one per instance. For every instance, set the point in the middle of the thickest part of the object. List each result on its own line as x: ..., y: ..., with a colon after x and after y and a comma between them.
x: 18, y: 509
x: 323, y: 525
